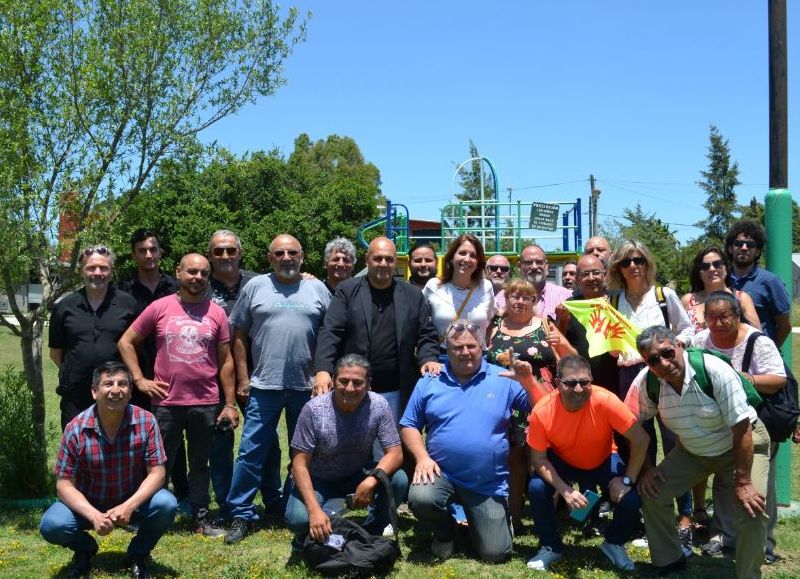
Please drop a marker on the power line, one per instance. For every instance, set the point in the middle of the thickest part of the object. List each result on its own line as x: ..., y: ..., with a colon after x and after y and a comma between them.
x: 546, y: 185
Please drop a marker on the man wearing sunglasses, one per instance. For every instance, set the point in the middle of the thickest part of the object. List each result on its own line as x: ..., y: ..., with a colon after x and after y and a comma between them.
x: 571, y: 435
x: 465, y: 411
x: 720, y: 435
x: 498, y: 269
x: 84, y: 328
x: 276, y: 322
x: 744, y: 243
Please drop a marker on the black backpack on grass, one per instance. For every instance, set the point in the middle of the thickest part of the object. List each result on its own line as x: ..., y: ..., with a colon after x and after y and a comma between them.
x: 363, y: 554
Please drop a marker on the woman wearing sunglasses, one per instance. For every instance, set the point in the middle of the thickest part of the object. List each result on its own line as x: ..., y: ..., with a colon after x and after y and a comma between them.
x: 538, y: 343
x: 632, y: 272
x: 461, y: 292
x: 710, y: 273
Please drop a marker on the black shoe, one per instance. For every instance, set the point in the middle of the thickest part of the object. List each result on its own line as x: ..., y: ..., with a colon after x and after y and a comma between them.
x: 81, y: 563
x: 772, y: 558
x: 138, y: 568
x: 203, y: 527
x: 238, y: 530
x: 674, y: 567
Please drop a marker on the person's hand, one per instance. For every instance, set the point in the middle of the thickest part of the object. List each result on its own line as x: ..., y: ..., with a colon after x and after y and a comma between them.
x: 102, y: 524
x: 553, y: 338
x: 323, y: 383
x: 364, y: 492
x: 752, y: 500
x: 425, y: 472
x: 319, y: 525
x: 243, y: 391
x: 796, y: 434
x: 120, y: 515
x: 432, y: 368
x: 231, y: 414
x: 649, y: 482
x: 153, y: 388
x: 562, y: 314
x: 307, y: 276
x: 617, y: 490
x: 517, y: 369
x: 574, y: 499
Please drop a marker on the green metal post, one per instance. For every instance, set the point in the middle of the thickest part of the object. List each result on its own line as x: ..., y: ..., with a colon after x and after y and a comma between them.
x: 778, y: 206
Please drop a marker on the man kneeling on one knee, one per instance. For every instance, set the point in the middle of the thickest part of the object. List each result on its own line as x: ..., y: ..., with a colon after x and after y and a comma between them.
x: 333, y: 444
x: 571, y: 434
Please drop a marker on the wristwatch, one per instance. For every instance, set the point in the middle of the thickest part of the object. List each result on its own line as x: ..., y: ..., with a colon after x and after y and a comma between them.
x: 627, y: 481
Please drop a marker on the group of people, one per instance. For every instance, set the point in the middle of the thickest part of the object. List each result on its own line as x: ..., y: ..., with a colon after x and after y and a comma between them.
x: 469, y: 390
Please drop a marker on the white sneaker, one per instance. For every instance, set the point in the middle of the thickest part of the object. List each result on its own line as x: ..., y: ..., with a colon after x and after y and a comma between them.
x: 543, y: 559
x: 441, y: 549
x: 388, y: 531
x: 641, y: 543
x: 617, y: 555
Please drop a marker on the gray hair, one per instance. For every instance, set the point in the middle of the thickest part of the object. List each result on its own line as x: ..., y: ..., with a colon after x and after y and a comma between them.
x: 572, y: 362
x: 225, y: 233
x: 651, y: 335
x: 340, y: 244
x: 728, y: 298
x: 353, y: 360
x: 99, y: 249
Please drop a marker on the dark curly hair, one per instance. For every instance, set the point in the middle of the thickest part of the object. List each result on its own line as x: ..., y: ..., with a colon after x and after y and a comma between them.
x: 751, y: 229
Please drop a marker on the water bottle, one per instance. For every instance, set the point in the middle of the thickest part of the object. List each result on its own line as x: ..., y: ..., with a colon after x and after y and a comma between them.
x: 335, y: 507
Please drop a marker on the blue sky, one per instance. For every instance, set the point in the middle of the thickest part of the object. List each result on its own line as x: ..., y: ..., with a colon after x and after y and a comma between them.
x: 549, y: 91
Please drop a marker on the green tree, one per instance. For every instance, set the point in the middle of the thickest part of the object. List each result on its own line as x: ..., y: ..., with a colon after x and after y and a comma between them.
x: 93, y: 95
x: 719, y: 183
x: 755, y: 210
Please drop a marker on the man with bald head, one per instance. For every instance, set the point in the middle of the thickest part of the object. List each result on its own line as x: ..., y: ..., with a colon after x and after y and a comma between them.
x: 275, y: 324
x: 534, y: 267
x: 193, y: 363
x: 387, y: 322
x: 599, y: 247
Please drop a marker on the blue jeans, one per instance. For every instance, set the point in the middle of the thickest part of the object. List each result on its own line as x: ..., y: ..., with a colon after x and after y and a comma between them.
x: 259, y: 435
x: 221, y: 466
x: 62, y: 526
x: 626, y: 512
x: 377, y: 514
x: 489, y: 522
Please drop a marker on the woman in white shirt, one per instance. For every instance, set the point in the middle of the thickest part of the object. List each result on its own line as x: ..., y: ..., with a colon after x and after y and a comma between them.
x: 461, y: 292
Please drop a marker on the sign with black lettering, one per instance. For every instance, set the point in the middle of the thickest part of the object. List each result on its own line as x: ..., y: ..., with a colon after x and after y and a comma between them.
x: 544, y: 216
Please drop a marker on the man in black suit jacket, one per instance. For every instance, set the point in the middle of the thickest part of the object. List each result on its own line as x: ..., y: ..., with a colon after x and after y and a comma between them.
x: 386, y: 321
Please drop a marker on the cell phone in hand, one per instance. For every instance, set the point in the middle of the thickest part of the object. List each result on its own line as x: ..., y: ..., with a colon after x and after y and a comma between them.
x: 581, y: 514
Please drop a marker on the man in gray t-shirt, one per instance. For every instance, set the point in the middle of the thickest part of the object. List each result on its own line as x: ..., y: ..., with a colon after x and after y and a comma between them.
x: 276, y: 322
x: 332, y: 447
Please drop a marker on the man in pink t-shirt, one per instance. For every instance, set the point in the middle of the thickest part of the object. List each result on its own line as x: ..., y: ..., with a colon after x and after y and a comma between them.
x: 192, y: 353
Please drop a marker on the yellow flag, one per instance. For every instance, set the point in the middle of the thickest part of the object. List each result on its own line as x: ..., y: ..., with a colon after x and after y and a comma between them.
x: 606, y: 328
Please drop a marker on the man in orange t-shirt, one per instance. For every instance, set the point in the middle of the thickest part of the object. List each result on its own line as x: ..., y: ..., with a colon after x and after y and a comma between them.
x: 571, y: 434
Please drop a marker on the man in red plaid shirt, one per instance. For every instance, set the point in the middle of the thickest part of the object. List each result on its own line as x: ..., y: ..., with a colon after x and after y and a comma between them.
x: 110, y: 471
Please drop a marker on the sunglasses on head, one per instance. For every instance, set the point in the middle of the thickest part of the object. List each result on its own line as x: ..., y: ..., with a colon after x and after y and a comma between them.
x: 99, y: 250
x: 220, y: 251
x: 666, y: 354
x: 635, y: 260
x: 740, y: 243
x: 503, y: 268
x: 459, y: 327
x: 289, y: 252
x: 716, y: 264
x: 575, y: 383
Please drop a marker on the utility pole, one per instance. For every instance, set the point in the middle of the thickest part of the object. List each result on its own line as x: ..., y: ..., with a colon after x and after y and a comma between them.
x: 593, y: 201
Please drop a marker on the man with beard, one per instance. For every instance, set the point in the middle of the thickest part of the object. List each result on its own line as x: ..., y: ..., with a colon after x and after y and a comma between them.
x: 599, y: 247
x: 422, y: 264
x: 192, y: 353
x: 569, y: 272
x: 340, y: 257
x: 571, y: 436
x: 387, y: 322
x: 744, y: 243
x: 276, y: 321
x: 84, y: 328
x: 534, y: 267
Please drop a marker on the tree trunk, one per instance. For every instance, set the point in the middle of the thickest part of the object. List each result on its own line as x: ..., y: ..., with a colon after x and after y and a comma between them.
x: 31, y: 345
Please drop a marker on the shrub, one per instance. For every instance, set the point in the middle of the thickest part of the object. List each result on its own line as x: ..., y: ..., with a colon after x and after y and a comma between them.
x: 23, y: 458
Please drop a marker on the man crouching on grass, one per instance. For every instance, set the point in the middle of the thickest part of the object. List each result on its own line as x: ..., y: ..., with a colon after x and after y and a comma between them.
x: 110, y: 471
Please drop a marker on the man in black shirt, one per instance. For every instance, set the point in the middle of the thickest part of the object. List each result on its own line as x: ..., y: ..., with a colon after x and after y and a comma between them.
x: 84, y: 328
x: 387, y: 322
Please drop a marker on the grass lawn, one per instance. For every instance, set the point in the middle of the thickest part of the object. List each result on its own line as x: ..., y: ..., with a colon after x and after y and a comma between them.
x: 265, y: 553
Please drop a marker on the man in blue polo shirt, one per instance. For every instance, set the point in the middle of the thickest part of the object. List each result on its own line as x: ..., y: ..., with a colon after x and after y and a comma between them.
x: 744, y: 243
x: 465, y: 411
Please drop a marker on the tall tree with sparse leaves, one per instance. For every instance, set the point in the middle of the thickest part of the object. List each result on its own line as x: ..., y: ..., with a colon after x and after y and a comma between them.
x: 719, y: 182
x: 93, y: 95
x: 476, y: 182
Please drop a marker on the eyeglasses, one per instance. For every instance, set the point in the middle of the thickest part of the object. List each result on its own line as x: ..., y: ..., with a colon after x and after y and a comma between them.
x: 640, y: 261
x: 666, y: 354
x: 459, y: 327
x: 281, y: 252
x: 716, y: 264
x: 220, y: 251
x: 503, y: 268
x: 724, y: 318
x: 740, y: 243
x: 575, y: 383
x: 99, y: 250
x: 530, y: 262
x: 591, y: 273
x: 519, y: 298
